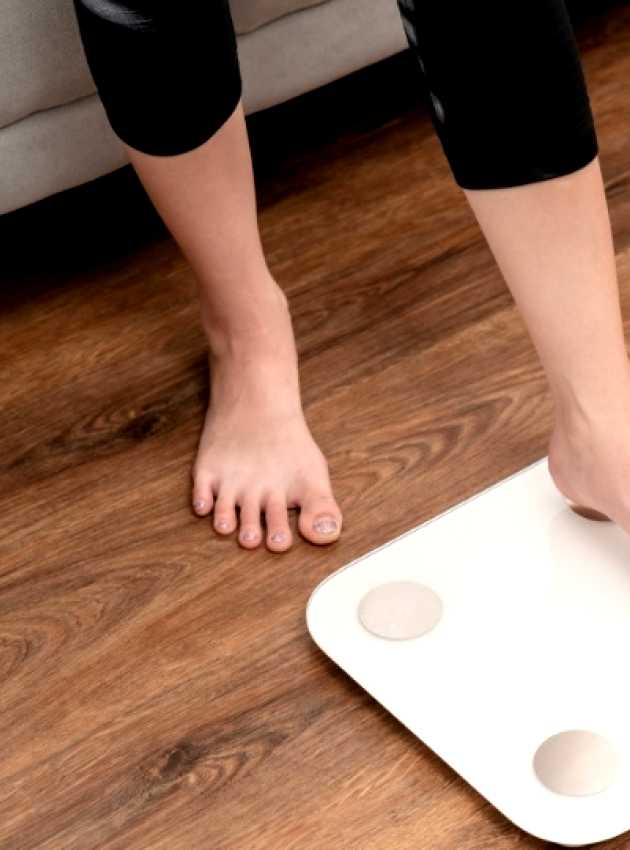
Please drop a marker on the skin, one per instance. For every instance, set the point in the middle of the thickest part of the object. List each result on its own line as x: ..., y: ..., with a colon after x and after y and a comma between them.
x: 553, y: 243
x: 256, y: 450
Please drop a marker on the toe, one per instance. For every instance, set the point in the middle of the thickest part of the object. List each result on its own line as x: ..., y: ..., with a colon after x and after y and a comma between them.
x: 250, y: 533
x: 279, y: 536
x: 320, y: 518
x: 202, y: 496
x: 225, y: 513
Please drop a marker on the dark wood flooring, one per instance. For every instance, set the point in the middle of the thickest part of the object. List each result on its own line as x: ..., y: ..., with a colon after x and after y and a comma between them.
x: 158, y: 688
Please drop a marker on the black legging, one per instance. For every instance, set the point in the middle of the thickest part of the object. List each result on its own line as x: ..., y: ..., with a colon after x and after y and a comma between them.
x: 503, y: 80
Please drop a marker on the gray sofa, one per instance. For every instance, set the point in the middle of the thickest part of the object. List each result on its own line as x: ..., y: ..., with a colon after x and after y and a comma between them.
x: 53, y: 130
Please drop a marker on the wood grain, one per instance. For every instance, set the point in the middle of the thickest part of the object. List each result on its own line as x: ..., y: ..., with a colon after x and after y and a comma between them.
x: 158, y: 686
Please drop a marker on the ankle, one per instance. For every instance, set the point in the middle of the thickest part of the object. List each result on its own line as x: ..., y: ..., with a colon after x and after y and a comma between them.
x: 582, y: 409
x: 254, y: 323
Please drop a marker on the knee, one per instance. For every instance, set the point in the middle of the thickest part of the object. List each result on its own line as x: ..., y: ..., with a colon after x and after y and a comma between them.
x: 133, y: 15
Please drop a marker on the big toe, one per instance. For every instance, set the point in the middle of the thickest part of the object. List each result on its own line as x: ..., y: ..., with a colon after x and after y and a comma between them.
x: 320, y: 518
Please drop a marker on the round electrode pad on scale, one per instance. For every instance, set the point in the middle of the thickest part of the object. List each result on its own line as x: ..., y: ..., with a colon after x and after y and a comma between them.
x: 400, y: 610
x: 576, y: 762
x: 435, y: 625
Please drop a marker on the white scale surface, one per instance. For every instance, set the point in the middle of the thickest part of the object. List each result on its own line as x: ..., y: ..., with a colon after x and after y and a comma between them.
x: 534, y: 639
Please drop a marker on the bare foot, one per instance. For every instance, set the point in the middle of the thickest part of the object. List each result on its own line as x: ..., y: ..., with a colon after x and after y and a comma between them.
x: 589, y: 461
x: 256, y: 450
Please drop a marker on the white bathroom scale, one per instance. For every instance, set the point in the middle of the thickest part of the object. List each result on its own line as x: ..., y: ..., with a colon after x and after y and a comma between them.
x: 498, y: 633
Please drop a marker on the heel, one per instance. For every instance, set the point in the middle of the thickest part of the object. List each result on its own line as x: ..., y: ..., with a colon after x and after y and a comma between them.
x: 586, y: 512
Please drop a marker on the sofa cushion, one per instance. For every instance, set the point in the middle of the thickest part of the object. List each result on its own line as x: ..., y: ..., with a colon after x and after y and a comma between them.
x: 41, y: 59
x: 248, y: 15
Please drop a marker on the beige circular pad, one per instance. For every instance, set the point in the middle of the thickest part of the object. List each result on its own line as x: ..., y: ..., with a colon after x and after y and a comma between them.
x: 576, y: 762
x: 400, y: 610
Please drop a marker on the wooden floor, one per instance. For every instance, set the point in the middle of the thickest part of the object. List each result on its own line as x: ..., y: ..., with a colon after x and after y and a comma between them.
x: 159, y: 690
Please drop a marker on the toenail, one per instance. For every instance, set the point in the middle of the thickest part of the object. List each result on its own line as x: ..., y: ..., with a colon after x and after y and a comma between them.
x: 278, y: 537
x: 325, y: 525
x: 248, y: 535
x: 222, y: 523
x: 199, y: 504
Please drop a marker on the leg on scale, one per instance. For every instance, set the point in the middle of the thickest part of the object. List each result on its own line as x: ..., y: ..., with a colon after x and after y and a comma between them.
x: 509, y: 103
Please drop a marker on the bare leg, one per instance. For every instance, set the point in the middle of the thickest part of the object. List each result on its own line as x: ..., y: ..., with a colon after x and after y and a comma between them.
x: 256, y: 450
x: 517, y: 129
x: 169, y: 78
x: 553, y: 243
